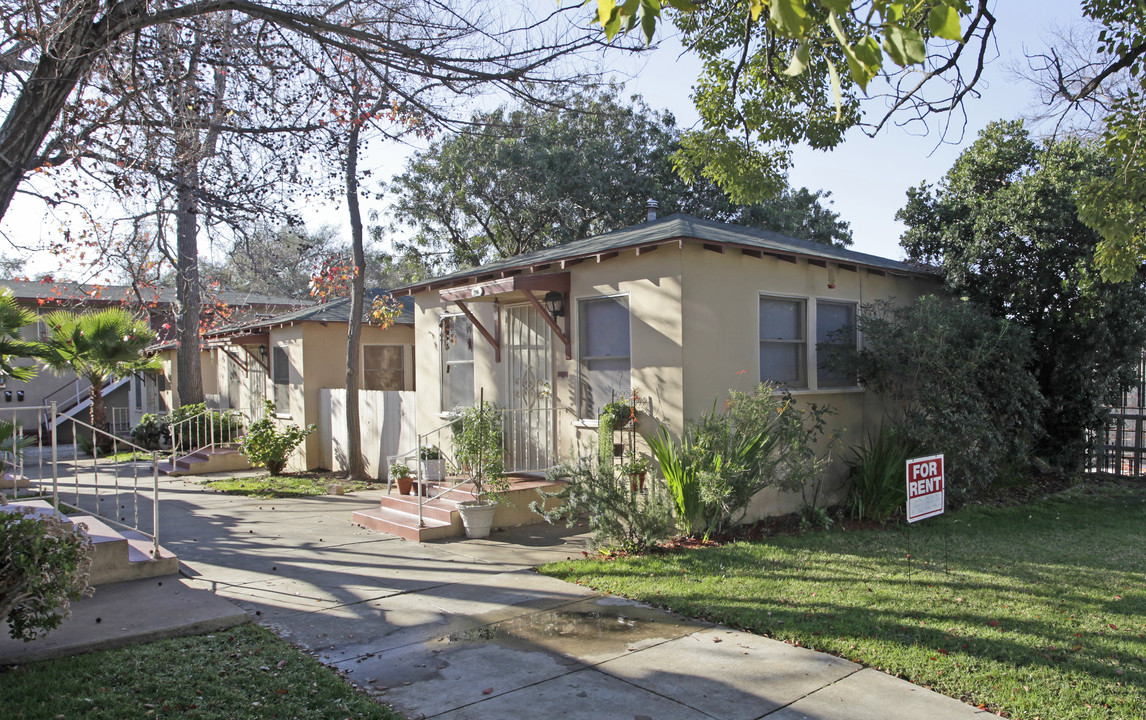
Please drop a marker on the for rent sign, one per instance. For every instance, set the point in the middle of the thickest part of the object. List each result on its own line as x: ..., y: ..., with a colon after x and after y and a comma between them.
x: 925, y: 487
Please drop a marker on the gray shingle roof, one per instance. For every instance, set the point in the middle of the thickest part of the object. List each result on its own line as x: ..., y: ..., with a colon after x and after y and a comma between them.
x: 66, y: 290
x: 336, y: 311
x: 687, y: 227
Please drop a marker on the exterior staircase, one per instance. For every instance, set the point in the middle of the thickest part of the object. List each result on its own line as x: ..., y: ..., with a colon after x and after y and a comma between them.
x: 117, y: 554
x: 207, y: 460
x: 398, y: 514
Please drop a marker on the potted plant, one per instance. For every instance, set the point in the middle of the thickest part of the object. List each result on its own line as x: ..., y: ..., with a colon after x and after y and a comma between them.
x: 614, y: 416
x: 637, y: 469
x: 479, y: 452
x: 433, y: 466
x: 404, y: 476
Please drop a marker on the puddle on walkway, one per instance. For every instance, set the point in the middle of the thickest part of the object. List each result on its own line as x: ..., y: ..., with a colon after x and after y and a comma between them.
x: 582, y: 629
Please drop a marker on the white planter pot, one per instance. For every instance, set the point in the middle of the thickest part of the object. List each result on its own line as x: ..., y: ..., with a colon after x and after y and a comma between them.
x: 434, y: 470
x: 477, y: 517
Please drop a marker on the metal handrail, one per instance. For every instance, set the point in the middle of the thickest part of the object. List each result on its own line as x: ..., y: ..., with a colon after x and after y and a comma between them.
x: 118, y: 445
x: 204, y: 432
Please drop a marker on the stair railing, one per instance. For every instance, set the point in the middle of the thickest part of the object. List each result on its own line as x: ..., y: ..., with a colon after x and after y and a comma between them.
x: 436, y: 438
x: 205, y: 430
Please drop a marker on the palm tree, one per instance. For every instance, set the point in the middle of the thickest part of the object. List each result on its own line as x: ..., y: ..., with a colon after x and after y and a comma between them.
x: 98, y: 345
x: 12, y: 345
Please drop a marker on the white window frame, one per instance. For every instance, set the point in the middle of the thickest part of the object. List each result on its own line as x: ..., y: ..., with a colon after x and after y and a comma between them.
x: 444, y: 365
x: 802, y: 383
x: 854, y: 383
x: 582, y: 360
x: 401, y: 364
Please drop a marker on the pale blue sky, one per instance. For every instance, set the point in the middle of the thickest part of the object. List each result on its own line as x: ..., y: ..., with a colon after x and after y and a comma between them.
x: 868, y: 177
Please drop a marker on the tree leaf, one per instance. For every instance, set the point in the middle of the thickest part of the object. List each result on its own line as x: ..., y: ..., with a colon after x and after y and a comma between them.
x: 837, y: 93
x: 799, y: 61
x: 904, y: 45
x: 789, y: 17
x: 944, y: 23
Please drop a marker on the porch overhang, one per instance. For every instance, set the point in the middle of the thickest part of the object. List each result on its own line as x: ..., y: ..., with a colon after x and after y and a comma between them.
x: 498, y: 289
x: 248, y: 343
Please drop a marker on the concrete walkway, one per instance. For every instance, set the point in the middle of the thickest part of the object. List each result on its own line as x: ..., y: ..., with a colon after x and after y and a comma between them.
x: 465, y: 629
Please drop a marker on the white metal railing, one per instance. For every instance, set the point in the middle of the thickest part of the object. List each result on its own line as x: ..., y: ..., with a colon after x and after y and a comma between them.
x: 528, y: 441
x: 204, y: 431
x: 100, y: 486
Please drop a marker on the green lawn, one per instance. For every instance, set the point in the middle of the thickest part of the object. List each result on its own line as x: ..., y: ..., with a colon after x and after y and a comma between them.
x: 245, y: 672
x: 281, y: 486
x: 1043, y: 613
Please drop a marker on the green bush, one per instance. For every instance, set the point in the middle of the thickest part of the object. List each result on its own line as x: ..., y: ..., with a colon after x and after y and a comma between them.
x: 479, y: 450
x: 151, y: 431
x: 955, y: 381
x: 878, y: 476
x: 618, y: 515
x: 268, y: 445
x: 44, y: 564
x: 724, y: 459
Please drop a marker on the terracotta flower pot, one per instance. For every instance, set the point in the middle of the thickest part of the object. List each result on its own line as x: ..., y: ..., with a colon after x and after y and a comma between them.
x: 405, y: 485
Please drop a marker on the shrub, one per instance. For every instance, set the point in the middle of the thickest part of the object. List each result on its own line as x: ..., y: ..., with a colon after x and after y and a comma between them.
x: 878, y: 484
x: 150, y: 432
x: 724, y: 459
x: 44, y: 564
x: 429, y: 452
x: 268, y: 445
x: 479, y: 450
x: 618, y: 515
x: 957, y: 383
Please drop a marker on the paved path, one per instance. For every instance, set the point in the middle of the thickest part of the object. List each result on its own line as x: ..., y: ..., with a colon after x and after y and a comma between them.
x: 465, y: 629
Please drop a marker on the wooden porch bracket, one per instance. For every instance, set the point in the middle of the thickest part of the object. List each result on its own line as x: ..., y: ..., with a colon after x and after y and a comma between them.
x: 257, y: 358
x: 562, y: 336
x: 494, y: 337
x: 238, y: 360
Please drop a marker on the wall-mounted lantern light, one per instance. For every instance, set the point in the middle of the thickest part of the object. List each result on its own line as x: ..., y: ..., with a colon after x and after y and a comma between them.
x: 555, y: 301
x: 263, y: 351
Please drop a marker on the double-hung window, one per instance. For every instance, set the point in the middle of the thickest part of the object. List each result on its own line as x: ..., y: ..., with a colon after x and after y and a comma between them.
x: 383, y: 367
x: 457, y: 354
x: 605, y: 352
x: 835, y: 331
x: 280, y: 374
x: 783, y: 341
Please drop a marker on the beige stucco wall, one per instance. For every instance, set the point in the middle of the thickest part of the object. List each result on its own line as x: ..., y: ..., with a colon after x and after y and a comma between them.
x: 694, y: 327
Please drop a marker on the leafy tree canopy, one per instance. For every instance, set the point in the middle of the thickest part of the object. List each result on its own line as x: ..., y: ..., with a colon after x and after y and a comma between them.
x: 780, y: 72
x: 1004, y: 226
x: 532, y: 177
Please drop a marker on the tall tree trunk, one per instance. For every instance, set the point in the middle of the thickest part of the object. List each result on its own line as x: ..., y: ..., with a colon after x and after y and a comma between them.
x: 188, y: 293
x: 59, y: 69
x: 98, y: 413
x: 356, y: 467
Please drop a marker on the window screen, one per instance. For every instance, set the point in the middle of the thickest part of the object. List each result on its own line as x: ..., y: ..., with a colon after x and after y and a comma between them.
x: 604, y: 351
x: 382, y: 367
x: 835, y: 330
x: 457, y: 353
x: 280, y: 373
x: 783, y: 345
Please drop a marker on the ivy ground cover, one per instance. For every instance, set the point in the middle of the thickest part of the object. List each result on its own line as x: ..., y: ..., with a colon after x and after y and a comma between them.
x: 1042, y: 613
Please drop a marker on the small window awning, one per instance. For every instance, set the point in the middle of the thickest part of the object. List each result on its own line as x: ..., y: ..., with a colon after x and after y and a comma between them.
x: 524, y: 285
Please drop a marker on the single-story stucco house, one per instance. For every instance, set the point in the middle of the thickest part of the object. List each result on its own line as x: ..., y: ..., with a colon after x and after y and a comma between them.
x: 678, y: 310
x: 290, y: 358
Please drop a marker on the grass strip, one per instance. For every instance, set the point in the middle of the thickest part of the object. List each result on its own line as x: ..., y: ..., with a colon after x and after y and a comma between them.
x: 245, y: 672
x: 1042, y: 615
x: 281, y: 486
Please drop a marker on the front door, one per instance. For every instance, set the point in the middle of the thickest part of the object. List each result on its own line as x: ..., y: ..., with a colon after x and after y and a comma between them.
x: 529, y: 419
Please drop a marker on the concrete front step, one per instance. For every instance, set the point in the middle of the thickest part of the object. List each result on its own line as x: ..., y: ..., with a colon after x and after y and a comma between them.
x: 203, y: 462
x: 405, y: 525
x: 117, y: 554
x: 398, y: 514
